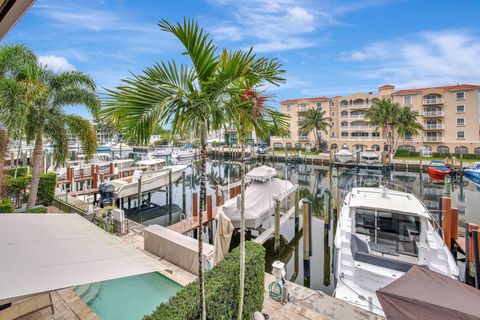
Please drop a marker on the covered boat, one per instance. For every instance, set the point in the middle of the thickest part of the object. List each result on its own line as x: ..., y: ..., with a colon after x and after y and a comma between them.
x: 438, y: 168
x: 475, y: 172
x: 370, y: 157
x: 259, y: 202
x: 344, y: 155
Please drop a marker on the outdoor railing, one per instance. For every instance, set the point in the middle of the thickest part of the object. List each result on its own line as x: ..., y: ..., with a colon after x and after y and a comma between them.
x: 433, y: 113
x: 432, y: 139
x: 433, y: 126
x: 433, y: 101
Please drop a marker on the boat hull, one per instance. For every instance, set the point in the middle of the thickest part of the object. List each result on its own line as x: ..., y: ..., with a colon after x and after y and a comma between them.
x: 438, y: 172
x: 472, y: 173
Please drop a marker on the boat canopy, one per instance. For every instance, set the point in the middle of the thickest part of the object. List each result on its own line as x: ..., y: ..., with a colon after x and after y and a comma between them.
x: 437, y: 163
x: 426, y: 294
x: 258, y: 202
x: 150, y: 162
x: 387, y: 199
x: 262, y: 173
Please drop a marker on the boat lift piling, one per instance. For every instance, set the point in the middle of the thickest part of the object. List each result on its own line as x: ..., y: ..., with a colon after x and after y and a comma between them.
x: 184, y: 196
x: 210, y: 219
x: 195, y: 211
x: 476, y: 258
x: 307, y: 233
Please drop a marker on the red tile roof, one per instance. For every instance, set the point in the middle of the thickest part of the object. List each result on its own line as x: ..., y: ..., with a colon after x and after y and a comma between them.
x: 385, y: 86
x: 458, y: 86
x: 305, y: 99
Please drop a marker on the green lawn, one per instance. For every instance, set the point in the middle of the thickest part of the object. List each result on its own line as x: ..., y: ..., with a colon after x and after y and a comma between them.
x: 433, y: 158
x: 290, y: 152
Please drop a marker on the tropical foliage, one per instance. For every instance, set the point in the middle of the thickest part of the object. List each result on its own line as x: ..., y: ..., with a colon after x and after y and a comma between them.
x: 315, y: 120
x: 32, y: 99
x: 394, y: 121
x: 193, y: 98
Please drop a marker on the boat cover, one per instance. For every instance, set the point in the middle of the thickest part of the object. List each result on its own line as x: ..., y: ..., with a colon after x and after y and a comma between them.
x: 258, y: 202
x: 223, y: 236
x: 424, y: 294
x: 262, y: 173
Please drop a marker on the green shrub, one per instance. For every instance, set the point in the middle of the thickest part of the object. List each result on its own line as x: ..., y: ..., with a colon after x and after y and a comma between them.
x: 6, y: 206
x: 46, y: 188
x: 16, y: 185
x: 37, y: 210
x: 221, y: 290
x: 21, y: 172
x: 406, y: 153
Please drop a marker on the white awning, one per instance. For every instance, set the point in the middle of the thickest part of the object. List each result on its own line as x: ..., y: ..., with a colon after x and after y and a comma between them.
x: 45, y: 252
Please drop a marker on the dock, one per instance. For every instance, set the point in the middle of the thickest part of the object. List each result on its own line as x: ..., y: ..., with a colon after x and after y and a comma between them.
x: 265, y: 235
x: 191, y: 223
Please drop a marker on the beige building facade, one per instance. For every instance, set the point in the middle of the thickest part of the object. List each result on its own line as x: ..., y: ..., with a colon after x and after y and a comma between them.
x: 449, y: 115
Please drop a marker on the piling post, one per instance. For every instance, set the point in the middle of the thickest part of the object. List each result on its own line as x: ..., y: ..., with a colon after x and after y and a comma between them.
x: 447, y: 221
x: 461, y: 167
x: 454, y: 225
x: 296, y: 210
x: 210, y: 218
x: 139, y: 194
x: 95, y: 180
x: 306, y: 237
x: 277, y: 227
x: 170, y: 192
x: 467, y: 253
x: 326, y: 209
x: 472, y: 227
x: 184, y: 197
x: 447, y: 186
x: 476, y: 258
x: 110, y: 168
x: 195, y: 204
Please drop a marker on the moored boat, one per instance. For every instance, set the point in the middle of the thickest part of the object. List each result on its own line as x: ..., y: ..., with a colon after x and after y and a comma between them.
x: 344, y: 155
x: 474, y: 172
x: 370, y: 157
x: 438, y: 168
x: 381, y: 234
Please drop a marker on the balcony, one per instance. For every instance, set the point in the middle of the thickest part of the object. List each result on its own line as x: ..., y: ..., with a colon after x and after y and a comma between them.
x: 432, y: 139
x: 359, y: 106
x: 433, y: 101
x: 302, y: 109
x: 361, y: 127
x: 433, y: 126
x: 433, y: 113
x: 344, y: 128
x: 344, y: 106
x: 303, y: 138
x: 357, y: 116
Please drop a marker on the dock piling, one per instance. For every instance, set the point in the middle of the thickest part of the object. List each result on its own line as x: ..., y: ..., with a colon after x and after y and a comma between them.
x: 277, y: 227
x: 296, y: 210
x: 170, y: 192
x: 447, y: 221
x: 476, y: 258
x: 184, y: 196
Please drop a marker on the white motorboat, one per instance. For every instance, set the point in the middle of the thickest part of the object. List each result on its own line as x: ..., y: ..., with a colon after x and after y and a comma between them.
x: 183, y: 154
x: 150, y: 180
x: 344, y: 155
x: 381, y: 234
x: 259, y: 197
x: 160, y: 153
x: 370, y: 157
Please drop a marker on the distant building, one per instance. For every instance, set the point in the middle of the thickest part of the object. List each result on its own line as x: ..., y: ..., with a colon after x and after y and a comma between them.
x: 449, y: 115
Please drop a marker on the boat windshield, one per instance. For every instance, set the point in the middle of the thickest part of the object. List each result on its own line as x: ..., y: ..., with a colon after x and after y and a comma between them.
x: 397, y: 231
x: 477, y: 166
x: 437, y: 163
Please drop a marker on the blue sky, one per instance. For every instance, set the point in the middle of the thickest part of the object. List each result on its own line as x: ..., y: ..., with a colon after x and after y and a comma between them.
x: 327, y: 47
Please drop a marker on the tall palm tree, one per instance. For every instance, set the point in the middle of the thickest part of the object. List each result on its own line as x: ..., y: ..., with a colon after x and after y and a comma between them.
x: 407, y: 123
x: 189, y: 97
x: 250, y: 110
x: 315, y: 120
x: 35, y: 102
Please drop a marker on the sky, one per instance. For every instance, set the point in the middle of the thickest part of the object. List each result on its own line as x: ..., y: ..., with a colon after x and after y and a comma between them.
x: 327, y: 47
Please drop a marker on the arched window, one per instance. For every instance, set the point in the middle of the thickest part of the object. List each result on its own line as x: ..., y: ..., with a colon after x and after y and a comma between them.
x: 289, y: 146
x: 308, y: 146
x: 298, y: 146
x: 344, y: 114
x: 335, y: 147
x: 359, y: 147
x: 443, y: 149
x: 426, y: 151
x: 461, y: 150
x: 344, y: 134
x: 476, y: 150
x: 376, y: 147
x: 407, y: 147
x: 344, y: 123
x: 278, y: 145
x: 359, y: 123
x: 344, y: 103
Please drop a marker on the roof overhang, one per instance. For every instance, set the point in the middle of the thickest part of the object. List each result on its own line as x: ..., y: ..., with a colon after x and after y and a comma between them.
x: 45, y: 252
x: 10, y: 12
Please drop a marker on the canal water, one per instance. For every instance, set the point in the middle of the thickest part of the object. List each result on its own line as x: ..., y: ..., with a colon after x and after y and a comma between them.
x: 314, y: 182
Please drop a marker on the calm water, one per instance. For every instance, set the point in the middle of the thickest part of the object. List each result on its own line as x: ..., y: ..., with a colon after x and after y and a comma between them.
x: 313, y: 183
x: 128, y: 298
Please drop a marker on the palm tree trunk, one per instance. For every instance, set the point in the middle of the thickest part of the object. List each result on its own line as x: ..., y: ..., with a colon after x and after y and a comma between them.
x: 36, y: 168
x: 18, y: 157
x: 242, y: 228
x: 3, y: 152
x: 203, y: 142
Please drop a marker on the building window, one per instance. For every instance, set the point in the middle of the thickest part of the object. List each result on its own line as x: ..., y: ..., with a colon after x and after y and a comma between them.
x: 333, y: 113
x: 333, y: 124
x: 375, y: 134
x: 319, y: 104
x: 408, y: 136
x: 460, y: 122
x: 460, y: 135
x: 407, y: 100
x: 333, y: 104
x: 333, y: 135
x: 460, y: 95
x: 288, y: 107
x: 460, y: 108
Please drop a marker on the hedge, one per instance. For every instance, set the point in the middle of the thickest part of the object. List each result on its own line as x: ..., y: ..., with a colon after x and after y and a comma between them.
x: 21, y: 172
x: 221, y: 290
x: 46, y: 188
x: 6, y: 206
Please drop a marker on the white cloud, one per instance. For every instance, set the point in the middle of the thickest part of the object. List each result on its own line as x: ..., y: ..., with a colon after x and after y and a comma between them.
x: 56, y: 63
x: 427, y: 58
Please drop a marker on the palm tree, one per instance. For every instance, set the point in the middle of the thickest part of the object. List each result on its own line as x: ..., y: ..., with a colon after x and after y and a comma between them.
x: 407, y: 123
x: 35, y: 100
x: 190, y: 98
x: 315, y: 120
x: 250, y: 110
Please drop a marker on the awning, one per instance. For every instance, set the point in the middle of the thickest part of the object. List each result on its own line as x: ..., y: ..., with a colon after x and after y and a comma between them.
x: 424, y: 294
x: 45, y: 252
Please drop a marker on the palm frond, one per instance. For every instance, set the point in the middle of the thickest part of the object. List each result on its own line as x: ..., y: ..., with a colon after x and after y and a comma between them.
x: 83, y: 129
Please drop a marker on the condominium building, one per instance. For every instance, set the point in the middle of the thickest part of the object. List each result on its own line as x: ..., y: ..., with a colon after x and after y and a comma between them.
x: 449, y: 115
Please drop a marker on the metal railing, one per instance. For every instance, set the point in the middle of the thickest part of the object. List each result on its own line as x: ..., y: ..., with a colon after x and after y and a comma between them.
x: 433, y: 126
x: 432, y: 139
x: 433, y: 113
x: 433, y: 101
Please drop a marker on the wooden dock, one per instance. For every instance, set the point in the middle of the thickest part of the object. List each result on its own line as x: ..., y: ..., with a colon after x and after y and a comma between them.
x: 191, y: 223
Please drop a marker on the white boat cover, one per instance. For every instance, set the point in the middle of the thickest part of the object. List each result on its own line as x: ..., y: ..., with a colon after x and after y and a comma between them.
x: 176, y: 248
x: 259, y: 203
x: 45, y: 252
x: 223, y: 236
